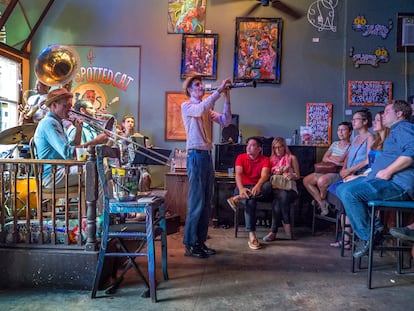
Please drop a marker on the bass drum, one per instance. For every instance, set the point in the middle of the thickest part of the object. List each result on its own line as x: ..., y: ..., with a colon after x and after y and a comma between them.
x: 21, y: 194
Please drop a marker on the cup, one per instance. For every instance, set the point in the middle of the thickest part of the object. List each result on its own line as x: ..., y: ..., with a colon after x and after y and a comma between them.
x: 288, y: 141
x: 81, y: 154
x: 230, y: 171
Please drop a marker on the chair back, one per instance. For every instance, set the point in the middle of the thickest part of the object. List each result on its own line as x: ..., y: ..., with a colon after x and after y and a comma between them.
x: 33, y: 155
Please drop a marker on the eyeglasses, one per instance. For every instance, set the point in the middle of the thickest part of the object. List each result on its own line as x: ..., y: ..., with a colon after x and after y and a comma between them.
x: 197, y: 83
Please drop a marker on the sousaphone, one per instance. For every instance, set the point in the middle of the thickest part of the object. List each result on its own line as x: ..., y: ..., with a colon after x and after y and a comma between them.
x: 57, y: 65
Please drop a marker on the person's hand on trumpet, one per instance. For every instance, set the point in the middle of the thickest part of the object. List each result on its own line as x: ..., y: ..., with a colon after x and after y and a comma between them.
x: 225, y: 87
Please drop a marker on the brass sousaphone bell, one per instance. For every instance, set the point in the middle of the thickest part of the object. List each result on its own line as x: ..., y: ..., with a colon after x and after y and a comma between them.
x: 57, y: 65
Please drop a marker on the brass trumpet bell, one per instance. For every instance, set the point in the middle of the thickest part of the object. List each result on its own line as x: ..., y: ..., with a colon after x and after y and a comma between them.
x: 57, y: 65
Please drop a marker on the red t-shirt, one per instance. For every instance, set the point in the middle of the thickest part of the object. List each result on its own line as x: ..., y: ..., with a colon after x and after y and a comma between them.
x: 252, y: 169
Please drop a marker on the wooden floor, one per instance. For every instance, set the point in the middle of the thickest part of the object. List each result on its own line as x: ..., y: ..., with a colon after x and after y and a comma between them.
x: 303, y: 274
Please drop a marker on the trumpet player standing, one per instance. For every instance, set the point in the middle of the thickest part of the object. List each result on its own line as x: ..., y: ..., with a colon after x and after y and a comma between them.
x: 51, y: 141
x: 199, y: 161
x: 33, y: 111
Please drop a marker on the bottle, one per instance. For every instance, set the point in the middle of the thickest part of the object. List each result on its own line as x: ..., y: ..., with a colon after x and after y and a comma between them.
x: 240, y: 138
x: 172, y: 165
x: 295, y: 138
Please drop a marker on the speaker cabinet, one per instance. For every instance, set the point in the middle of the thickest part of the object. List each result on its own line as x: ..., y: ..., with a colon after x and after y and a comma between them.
x: 405, y: 32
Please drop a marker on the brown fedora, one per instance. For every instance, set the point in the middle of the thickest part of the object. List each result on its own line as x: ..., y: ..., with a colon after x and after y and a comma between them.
x: 56, y: 95
x: 187, y: 83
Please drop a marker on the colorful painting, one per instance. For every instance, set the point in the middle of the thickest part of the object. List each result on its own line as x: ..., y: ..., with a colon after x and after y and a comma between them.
x: 319, y: 120
x: 369, y: 93
x: 258, y: 50
x: 199, y: 56
x: 186, y: 16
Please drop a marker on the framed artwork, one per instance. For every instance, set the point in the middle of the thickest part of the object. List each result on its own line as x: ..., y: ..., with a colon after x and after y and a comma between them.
x: 174, y: 126
x: 186, y: 16
x: 369, y: 93
x: 319, y: 121
x: 258, y: 47
x: 199, y: 56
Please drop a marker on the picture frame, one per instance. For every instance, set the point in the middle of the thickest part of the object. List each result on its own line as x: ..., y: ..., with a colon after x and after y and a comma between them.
x: 258, y: 48
x: 186, y: 16
x: 319, y: 121
x: 369, y: 93
x: 174, y: 125
x: 199, y: 55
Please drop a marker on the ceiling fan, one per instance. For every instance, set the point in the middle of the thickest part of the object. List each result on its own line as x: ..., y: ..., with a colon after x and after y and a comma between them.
x: 278, y: 5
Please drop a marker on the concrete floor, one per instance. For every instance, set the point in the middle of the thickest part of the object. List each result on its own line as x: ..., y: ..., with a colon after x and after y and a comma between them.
x: 303, y: 274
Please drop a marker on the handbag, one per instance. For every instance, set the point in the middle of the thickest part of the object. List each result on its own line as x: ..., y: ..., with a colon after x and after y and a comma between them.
x: 280, y: 182
x: 326, y: 167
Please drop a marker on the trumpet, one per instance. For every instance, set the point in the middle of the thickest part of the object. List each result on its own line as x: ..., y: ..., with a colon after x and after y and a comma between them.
x: 233, y: 86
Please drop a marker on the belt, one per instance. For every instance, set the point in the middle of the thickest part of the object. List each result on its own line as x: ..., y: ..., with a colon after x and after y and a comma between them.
x: 199, y: 151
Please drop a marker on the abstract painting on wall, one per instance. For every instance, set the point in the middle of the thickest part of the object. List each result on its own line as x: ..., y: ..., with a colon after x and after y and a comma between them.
x: 319, y: 120
x: 186, y: 16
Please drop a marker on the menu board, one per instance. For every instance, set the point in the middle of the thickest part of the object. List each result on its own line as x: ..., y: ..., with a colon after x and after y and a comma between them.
x: 369, y: 93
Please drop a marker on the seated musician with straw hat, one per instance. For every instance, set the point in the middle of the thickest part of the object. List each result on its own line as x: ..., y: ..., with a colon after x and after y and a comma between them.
x: 51, y: 141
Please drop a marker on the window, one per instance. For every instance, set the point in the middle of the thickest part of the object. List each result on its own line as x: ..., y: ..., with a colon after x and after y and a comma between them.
x: 9, y: 94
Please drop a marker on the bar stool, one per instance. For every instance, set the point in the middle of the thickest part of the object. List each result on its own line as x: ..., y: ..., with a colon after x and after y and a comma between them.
x: 141, y: 233
x: 399, y: 207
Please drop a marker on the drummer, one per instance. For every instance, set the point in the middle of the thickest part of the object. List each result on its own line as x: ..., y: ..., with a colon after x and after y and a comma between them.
x: 34, y: 110
x: 51, y: 141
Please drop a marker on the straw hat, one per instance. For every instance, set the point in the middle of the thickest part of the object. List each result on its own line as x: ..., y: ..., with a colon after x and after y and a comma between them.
x: 56, y: 95
x: 187, y: 83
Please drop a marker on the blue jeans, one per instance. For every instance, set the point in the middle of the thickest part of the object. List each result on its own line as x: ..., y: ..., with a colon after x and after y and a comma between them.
x: 201, y: 177
x: 250, y: 204
x: 356, y: 193
x: 281, y: 207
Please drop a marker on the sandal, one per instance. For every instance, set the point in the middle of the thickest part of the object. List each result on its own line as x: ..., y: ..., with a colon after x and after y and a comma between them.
x: 254, y: 244
x: 347, y: 245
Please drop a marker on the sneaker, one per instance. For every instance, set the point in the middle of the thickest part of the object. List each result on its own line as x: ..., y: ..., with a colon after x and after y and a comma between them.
x: 403, y: 233
x: 233, y: 203
x: 361, y: 249
x: 254, y: 244
x: 270, y: 237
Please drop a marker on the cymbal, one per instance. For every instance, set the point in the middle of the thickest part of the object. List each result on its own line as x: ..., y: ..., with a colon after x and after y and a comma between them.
x: 17, y: 134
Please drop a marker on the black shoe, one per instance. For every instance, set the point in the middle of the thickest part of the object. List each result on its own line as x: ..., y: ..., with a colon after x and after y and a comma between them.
x: 362, y: 248
x: 207, y: 250
x: 195, y: 251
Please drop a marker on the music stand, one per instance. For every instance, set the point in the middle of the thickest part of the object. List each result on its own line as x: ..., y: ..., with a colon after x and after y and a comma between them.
x: 140, y: 155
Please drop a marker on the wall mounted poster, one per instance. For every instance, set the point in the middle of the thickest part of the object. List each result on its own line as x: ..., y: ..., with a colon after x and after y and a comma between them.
x: 369, y: 93
x: 319, y: 120
x: 108, y: 80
